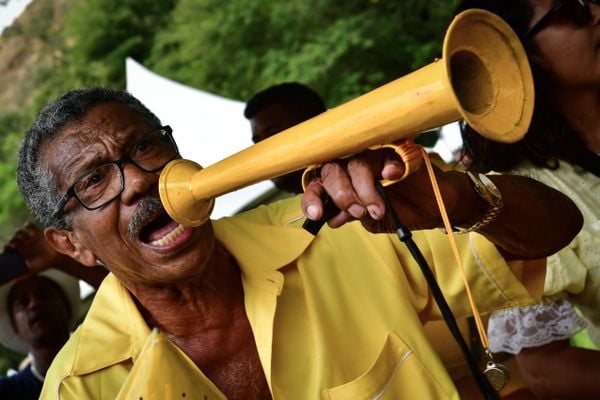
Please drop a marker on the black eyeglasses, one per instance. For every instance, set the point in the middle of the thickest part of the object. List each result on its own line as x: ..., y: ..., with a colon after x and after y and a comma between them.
x: 577, y: 10
x: 105, y: 183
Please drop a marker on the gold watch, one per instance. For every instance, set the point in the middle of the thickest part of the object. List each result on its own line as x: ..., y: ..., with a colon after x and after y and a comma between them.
x: 489, y: 192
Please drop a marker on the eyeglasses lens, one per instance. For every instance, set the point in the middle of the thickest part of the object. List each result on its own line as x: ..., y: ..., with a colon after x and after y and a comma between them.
x: 101, y: 185
x: 579, y: 11
x: 153, y: 151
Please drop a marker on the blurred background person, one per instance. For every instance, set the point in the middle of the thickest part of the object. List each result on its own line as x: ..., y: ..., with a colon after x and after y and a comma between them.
x: 562, y: 150
x: 39, y: 309
x: 36, y: 317
x: 278, y: 108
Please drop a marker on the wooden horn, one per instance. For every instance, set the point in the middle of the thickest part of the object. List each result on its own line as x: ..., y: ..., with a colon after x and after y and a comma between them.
x: 483, y: 77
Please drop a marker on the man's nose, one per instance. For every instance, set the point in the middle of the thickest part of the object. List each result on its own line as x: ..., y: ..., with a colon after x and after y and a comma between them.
x: 136, y: 183
x: 33, y: 301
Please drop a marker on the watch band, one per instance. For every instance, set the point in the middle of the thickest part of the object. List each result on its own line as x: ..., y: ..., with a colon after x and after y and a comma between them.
x: 485, y: 189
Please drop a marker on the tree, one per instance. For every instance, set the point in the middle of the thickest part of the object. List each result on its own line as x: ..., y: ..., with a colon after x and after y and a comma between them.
x: 121, y: 28
x: 233, y: 48
x: 341, y: 48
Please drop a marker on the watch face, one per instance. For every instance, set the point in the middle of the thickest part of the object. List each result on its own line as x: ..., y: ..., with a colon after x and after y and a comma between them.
x: 489, y: 185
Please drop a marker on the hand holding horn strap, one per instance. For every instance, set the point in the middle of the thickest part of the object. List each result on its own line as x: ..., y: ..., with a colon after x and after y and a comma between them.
x: 408, y: 151
x: 410, y: 154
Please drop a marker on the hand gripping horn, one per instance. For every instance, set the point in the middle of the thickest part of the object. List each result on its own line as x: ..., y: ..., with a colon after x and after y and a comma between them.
x: 483, y: 78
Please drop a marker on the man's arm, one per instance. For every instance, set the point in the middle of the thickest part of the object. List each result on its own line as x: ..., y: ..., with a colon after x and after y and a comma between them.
x: 557, y: 370
x: 535, y: 220
x: 29, y: 241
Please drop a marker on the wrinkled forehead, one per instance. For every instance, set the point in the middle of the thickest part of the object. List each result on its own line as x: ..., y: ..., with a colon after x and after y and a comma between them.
x: 111, y: 122
x: 100, y: 136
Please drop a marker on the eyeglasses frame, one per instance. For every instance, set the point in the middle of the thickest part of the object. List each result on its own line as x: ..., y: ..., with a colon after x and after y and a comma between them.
x: 70, y: 193
x: 551, y: 14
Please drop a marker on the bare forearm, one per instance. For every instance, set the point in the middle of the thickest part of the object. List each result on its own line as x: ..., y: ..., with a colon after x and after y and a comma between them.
x: 559, y: 371
x: 535, y: 221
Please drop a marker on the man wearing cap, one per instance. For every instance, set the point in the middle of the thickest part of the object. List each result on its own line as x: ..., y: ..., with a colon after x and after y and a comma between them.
x: 36, y: 315
x: 38, y: 309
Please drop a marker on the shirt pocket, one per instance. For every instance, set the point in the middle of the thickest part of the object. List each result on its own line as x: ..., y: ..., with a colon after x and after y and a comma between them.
x: 397, y: 373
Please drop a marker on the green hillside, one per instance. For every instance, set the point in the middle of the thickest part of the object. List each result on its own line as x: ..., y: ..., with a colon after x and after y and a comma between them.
x: 232, y: 48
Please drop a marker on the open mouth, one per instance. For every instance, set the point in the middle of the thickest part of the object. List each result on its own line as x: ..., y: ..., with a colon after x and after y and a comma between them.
x: 37, y: 317
x: 161, y: 231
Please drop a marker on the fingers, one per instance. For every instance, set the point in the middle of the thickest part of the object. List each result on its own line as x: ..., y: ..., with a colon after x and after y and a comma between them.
x: 312, y: 200
x: 311, y: 203
x: 337, y: 184
x: 363, y: 182
x: 350, y: 183
x: 351, y: 186
x: 24, y: 236
x: 393, y: 169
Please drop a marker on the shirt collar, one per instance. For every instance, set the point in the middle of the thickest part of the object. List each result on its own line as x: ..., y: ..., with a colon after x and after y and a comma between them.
x: 104, y: 340
x: 264, y: 239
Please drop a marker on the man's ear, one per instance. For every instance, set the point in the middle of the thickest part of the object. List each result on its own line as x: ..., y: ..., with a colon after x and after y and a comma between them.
x: 65, y: 242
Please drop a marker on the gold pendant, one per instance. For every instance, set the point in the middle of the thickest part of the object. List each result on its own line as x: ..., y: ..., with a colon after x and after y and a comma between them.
x: 497, y: 374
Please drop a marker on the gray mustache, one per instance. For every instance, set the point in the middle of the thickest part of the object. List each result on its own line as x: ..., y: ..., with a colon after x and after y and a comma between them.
x: 148, y: 208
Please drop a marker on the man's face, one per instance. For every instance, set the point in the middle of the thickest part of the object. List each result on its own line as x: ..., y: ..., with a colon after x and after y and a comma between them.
x: 269, y: 121
x: 273, y: 119
x: 132, y: 235
x: 39, y: 311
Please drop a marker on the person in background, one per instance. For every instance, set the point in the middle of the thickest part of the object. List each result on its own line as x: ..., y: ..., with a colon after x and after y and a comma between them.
x: 39, y: 309
x: 277, y: 312
x: 562, y: 150
x: 278, y: 108
x: 36, y: 316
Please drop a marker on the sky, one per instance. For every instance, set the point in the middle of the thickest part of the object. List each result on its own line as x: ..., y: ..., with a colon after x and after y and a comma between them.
x: 11, y: 11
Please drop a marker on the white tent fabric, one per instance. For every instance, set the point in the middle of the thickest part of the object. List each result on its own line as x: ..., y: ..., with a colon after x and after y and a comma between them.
x: 207, y: 127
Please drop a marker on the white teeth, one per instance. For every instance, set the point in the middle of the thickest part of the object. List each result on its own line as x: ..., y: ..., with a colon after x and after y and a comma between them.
x: 169, y: 237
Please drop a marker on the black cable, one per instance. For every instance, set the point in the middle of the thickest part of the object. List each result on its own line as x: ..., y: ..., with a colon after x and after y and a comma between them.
x: 405, y: 236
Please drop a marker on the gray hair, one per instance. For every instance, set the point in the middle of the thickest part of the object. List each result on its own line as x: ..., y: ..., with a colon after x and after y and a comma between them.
x: 37, y: 184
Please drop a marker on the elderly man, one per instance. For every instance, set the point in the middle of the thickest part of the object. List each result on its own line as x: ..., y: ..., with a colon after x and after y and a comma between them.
x: 256, y: 306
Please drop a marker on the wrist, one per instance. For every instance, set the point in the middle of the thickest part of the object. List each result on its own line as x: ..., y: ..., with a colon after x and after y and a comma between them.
x: 478, y: 203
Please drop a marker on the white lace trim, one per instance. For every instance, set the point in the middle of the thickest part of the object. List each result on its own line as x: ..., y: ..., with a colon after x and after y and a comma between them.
x: 513, y: 329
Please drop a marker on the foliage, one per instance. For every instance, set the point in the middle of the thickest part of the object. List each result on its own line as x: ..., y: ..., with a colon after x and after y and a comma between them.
x: 100, y: 34
x: 9, y: 359
x: 88, y: 48
x: 233, y: 48
x: 342, y: 49
x: 13, y: 209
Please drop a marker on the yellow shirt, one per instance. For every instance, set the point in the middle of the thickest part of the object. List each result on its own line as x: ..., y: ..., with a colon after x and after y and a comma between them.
x: 337, y: 316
